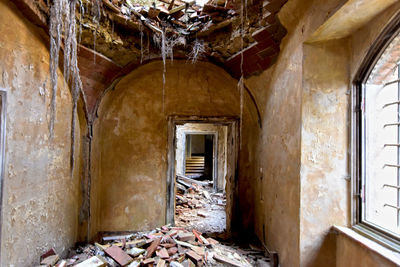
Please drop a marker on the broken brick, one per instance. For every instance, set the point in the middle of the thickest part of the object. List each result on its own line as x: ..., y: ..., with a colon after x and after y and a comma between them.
x: 163, y: 253
x: 152, y: 248
x: 120, y: 256
x: 186, y: 237
x: 172, y: 251
x: 148, y: 261
x: 194, y: 256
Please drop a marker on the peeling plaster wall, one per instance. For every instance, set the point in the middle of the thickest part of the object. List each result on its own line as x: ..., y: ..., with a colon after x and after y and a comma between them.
x: 349, y: 252
x: 302, y: 151
x: 129, y: 163
x: 277, y: 190
x: 325, y: 170
x: 40, y: 198
x: 324, y: 146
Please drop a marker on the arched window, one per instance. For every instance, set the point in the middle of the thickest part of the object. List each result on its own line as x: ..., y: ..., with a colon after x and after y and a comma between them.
x: 378, y: 139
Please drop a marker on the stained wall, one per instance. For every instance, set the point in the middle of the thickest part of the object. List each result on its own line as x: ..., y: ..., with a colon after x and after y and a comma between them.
x: 303, y: 149
x: 40, y: 197
x: 129, y: 165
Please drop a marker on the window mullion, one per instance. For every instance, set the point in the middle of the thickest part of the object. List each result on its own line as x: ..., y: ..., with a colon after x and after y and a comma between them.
x: 398, y: 148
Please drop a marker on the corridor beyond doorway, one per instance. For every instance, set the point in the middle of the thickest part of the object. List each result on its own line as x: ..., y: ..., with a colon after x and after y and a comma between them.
x: 199, y: 154
x: 201, y: 169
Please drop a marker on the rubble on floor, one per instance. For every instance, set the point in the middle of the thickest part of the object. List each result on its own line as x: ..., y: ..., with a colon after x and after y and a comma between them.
x: 185, y: 245
x: 165, y: 246
x: 197, y: 206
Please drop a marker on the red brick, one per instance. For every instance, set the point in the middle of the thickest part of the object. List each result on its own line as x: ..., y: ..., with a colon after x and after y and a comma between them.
x: 265, y: 63
x: 163, y: 253
x: 270, y: 51
x: 266, y: 44
x: 120, y: 256
x: 251, y: 50
x: 152, y: 248
x: 262, y: 34
x: 194, y: 256
x: 172, y: 251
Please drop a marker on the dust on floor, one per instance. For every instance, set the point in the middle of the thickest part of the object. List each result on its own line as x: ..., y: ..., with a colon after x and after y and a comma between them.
x: 199, y: 207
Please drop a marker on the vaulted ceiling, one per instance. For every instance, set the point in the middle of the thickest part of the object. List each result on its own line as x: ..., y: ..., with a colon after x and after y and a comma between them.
x: 128, y: 35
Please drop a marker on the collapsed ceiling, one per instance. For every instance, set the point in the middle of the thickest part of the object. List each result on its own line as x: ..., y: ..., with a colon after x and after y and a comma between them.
x: 116, y: 36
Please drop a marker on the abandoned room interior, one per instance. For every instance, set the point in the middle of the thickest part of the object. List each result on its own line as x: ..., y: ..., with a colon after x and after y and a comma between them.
x: 199, y: 133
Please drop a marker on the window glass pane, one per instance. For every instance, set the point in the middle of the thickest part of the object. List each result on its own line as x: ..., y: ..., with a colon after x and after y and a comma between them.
x: 381, y: 142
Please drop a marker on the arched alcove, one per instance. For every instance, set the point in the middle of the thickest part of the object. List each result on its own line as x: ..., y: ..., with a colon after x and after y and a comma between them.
x: 130, y: 143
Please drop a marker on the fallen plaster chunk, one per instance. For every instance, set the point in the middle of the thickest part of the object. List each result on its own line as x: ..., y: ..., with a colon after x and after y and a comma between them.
x: 135, y: 251
x: 116, y: 237
x: 94, y: 261
x: 206, y: 194
x: 175, y: 264
x: 50, y: 260
x: 227, y: 260
x: 134, y: 264
x: 161, y: 263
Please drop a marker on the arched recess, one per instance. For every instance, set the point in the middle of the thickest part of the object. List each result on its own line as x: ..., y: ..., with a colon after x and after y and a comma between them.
x: 130, y: 146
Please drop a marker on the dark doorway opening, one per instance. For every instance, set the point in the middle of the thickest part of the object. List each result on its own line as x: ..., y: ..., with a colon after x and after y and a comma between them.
x: 200, y: 192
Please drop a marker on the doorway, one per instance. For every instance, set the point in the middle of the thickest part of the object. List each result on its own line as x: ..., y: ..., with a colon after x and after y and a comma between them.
x: 202, y: 160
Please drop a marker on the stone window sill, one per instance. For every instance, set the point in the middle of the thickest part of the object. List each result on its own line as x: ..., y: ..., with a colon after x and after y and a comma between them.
x: 369, y: 244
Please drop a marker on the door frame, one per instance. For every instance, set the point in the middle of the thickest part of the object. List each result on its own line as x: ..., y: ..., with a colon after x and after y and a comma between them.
x: 232, y: 151
x: 3, y: 127
x: 215, y: 152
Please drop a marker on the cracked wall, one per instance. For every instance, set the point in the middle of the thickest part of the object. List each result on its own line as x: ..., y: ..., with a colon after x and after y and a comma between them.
x: 40, y: 198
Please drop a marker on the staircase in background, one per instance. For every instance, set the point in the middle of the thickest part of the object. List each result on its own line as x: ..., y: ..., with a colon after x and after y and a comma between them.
x: 194, y: 166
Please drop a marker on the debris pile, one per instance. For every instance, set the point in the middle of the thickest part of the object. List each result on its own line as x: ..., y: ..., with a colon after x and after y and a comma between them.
x: 130, y: 31
x: 165, y: 246
x: 179, y: 17
x: 197, y: 206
